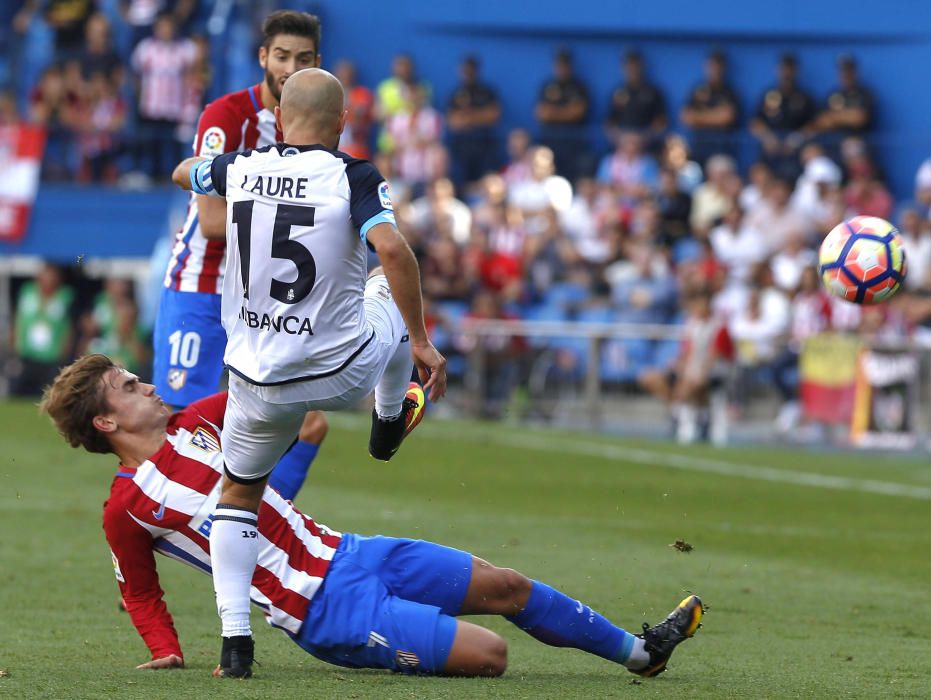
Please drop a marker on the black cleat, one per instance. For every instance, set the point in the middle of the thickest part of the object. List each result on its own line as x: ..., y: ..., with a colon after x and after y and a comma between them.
x: 662, y: 639
x: 387, y: 435
x: 236, y: 658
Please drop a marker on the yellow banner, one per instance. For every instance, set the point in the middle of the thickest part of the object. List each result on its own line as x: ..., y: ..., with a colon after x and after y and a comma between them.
x: 830, y: 359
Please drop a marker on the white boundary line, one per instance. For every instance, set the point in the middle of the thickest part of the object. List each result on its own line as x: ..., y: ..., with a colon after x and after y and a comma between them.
x: 713, y: 466
x: 535, y: 440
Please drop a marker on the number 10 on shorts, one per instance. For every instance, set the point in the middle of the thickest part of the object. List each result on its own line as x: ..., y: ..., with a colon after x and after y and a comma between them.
x: 185, y: 348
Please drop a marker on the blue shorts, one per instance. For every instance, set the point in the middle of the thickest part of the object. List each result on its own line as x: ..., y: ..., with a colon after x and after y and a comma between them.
x: 388, y: 603
x: 189, y: 343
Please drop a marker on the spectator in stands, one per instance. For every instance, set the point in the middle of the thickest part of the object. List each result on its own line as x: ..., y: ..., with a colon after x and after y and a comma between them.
x: 142, y: 15
x: 643, y: 290
x: 518, y: 167
x: 923, y: 188
x: 562, y: 110
x: 550, y: 254
x: 543, y: 191
x: 66, y: 18
x: 492, y: 190
x: 810, y: 313
x: 711, y: 112
x: 397, y: 94
x: 42, y: 332
x: 111, y: 326
x: 501, y: 251
x: 160, y: 63
x: 702, y: 366
x: 438, y: 211
x: 675, y: 155
x: 637, y: 105
x: 739, y: 246
x: 712, y: 198
x: 790, y: 260
x: 775, y: 217
x: 584, y: 222
x: 9, y: 113
x: 197, y: 77
x: 760, y: 331
x: 400, y: 190
x: 56, y: 107
x: 759, y: 177
x: 848, y: 110
x: 472, y: 115
x: 917, y: 242
x: 628, y: 171
x: 360, y: 113
x: 416, y: 147
x: 100, y: 131
x: 865, y: 194
x: 97, y: 55
x: 817, y: 189
x: 675, y: 205
x: 783, y: 114
x: 446, y: 274
x: 499, y: 355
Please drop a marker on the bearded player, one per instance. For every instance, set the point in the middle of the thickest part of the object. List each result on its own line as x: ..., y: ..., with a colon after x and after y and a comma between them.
x: 189, y: 339
x: 363, y: 602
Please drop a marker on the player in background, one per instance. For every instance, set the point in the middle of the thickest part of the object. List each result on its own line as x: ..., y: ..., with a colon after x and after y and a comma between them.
x: 189, y: 338
x: 369, y: 602
x: 307, y: 330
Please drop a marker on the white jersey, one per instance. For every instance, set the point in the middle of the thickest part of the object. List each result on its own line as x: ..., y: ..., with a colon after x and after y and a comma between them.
x: 297, y: 219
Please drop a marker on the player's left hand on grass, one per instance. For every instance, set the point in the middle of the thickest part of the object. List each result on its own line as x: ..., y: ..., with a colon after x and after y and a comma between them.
x: 431, y: 367
x: 170, y: 661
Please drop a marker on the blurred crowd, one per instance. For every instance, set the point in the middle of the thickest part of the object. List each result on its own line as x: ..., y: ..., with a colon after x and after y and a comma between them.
x: 541, y: 223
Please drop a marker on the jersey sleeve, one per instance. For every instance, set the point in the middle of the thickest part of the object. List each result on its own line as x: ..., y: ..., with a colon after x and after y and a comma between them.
x: 211, y: 408
x: 208, y: 177
x: 218, y: 130
x: 131, y: 547
x: 369, y: 197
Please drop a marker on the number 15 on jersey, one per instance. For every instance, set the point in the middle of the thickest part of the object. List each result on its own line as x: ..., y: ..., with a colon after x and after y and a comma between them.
x: 283, y: 247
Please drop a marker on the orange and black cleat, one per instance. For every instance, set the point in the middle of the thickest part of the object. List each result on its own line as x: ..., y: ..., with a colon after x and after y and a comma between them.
x: 387, y: 435
x: 662, y: 639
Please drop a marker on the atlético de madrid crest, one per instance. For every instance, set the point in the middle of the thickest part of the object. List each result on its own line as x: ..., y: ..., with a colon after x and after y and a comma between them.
x: 177, y: 378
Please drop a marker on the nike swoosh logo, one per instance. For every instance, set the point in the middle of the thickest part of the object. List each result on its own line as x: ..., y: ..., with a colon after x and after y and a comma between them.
x: 160, y: 513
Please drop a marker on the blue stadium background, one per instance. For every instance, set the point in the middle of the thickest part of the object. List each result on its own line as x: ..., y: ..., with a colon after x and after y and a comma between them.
x: 516, y: 41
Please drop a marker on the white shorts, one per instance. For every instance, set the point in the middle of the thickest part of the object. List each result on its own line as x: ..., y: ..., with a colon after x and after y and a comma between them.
x: 262, y: 421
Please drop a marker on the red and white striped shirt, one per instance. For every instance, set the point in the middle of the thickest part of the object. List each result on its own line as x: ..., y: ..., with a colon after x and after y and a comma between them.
x: 234, y: 122
x: 165, y: 506
x: 161, y: 66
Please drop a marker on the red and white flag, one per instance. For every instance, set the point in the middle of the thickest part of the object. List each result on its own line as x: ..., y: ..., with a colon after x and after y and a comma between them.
x: 20, y: 162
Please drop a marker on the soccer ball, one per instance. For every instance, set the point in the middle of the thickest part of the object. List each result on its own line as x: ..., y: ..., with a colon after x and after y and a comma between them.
x: 862, y: 260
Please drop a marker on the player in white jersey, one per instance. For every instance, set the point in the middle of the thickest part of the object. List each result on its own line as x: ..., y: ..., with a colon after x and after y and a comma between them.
x: 306, y: 331
x: 189, y: 339
x: 369, y: 602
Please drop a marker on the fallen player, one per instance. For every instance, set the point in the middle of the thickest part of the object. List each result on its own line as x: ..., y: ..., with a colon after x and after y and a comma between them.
x: 350, y: 600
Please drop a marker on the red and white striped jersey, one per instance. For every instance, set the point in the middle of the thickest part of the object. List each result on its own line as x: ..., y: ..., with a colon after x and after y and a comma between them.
x: 161, y: 66
x: 165, y: 505
x: 234, y: 122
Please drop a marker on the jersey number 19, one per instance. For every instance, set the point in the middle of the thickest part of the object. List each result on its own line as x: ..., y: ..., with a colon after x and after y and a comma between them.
x: 283, y: 248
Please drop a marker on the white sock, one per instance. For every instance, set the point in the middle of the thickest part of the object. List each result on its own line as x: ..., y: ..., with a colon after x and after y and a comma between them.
x: 639, y: 657
x: 234, y: 552
x: 391, y: 388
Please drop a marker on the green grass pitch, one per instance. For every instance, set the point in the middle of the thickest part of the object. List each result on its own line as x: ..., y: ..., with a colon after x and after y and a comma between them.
x: 816, y: 567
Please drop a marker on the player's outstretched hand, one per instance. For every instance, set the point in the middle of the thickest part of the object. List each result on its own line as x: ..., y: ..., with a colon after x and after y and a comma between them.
x: 170, y: 661
x: 431, y: 367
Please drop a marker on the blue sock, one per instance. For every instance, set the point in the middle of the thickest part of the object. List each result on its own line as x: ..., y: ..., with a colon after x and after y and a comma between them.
x: 288, y: 475
x: 556, y: 619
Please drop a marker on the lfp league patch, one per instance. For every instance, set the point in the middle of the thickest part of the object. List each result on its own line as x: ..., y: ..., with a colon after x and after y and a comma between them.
x: 213, y: 143
x: 384, y: 195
